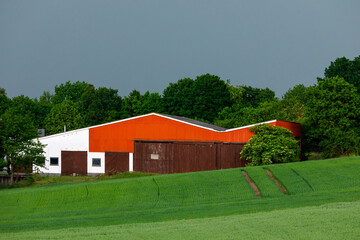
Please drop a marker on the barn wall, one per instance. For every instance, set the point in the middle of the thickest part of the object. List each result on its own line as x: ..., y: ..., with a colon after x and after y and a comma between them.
x: 119, y: 136
x: 178, y: 157
x: 116, y: 162
x: 95, y: 169
x: 74, y: 162
x: 77, y: 140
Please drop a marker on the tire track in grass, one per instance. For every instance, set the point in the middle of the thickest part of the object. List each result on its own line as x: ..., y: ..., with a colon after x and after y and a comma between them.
x: 158, y: 192
x: 306, y: 181
x: 278, y: 184
x: 251, y: 183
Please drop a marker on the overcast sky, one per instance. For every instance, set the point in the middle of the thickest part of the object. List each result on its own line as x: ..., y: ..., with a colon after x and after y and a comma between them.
x: 145, y: 45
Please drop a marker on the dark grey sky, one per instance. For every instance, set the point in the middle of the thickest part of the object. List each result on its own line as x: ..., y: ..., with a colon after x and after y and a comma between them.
x: 145, y: 44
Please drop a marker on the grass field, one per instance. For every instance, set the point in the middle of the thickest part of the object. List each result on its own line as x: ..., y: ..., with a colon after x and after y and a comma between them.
x: 323, y: 203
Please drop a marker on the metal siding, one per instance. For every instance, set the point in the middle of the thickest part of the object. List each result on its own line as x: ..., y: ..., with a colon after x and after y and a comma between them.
x: 180, y: 157
x: 230, y: 155
x: 119, y: 136
x: 116, y: 162
x: 73, y: 162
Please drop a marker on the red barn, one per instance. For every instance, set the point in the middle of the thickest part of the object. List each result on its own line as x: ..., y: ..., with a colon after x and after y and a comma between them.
x: 150, y: 143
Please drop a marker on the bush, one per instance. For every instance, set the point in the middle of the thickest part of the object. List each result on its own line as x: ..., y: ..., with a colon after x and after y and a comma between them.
x: 270, y: 144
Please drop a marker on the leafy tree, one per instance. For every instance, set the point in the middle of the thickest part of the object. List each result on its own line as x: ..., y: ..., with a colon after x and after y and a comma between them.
x: 137, y: 104
x: 333, y: 117
x: 64, y: 114
x: 5, y: 102
x: 252, y: 97
x: 32, y: 107
x: 270, y: 144
x: 293, y: 104
x: 152, y: 102
x: 230, y: 118
x: 132, y: 104
x: 345, y: 68
x: 201, y: 98
x: 18, y: 149
x: 178, y: 97
x: 210, y: 95
x: 100, y: 105
x: 69, y: 91
x: 249, y: 105
x: 46, y: 98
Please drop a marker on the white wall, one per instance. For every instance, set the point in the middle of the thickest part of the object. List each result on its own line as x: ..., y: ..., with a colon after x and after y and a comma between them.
x: 77, y: 140
x: 91, y: 169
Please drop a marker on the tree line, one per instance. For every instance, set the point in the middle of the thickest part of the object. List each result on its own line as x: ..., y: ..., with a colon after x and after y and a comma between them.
x: 328, y: 111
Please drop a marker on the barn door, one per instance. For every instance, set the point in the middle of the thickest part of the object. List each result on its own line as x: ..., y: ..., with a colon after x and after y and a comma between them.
x: 73, y: 162
x: 116, y: 162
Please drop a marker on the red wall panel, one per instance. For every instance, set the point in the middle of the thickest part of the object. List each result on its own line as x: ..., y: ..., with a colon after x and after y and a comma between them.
x: 120, y: 136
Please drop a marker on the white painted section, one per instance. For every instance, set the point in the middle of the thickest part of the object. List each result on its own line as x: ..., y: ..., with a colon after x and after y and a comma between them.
x: 96, y: 169
x: 131, y: 162
x: 77, y: 140
x: 249, y: 126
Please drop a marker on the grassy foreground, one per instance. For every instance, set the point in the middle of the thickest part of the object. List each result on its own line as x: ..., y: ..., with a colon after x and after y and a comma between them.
x: 323, y: 203
x: 329, y: 221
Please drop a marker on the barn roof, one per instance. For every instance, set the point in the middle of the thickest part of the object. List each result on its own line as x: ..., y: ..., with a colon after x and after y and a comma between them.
x: 196, y: 122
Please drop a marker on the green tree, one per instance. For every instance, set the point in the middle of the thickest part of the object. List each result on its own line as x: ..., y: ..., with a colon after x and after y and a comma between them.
x: 345, y: 68
x: 64, y: 114
x: 293, y: 104
x: 249, y: 105
x: 270, y: 144
x: 152, y: 102
x: 333, y: 117
x: 100, y: 105
x: 137, y: 104
x: 5, y: 102
x: 201, y: 98
x: 69, y: 91
x: 19, y: 152
x: 178, y: 97
x: 210, y: 95
x: 231, y: 118
x: 32, y: 107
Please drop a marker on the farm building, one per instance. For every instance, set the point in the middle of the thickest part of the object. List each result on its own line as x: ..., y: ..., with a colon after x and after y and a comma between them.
x: 153, y: 142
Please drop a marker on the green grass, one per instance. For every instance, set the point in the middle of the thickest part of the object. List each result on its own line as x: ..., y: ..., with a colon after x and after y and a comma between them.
x: 337, y: 221
x: 38, y: 180
x: 191, y: 203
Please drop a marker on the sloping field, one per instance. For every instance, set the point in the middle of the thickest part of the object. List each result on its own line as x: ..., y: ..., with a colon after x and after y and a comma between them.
x: 203, y: 199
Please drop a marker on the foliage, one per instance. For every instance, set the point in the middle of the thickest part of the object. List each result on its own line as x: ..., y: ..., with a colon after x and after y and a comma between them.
x: 201, y: 98
x: 333, y: 117
x: 136, y: 104
x: 69, y: 91
x: 266, y: 111
x: 345, y: 68
x: 249, y: 105
x: 270, y: 144
x: 252, y: 97
x: 293, y: 104
x: 19, y: 152
x: 64, y: 114
x: 5, y: 102
x: 32, y: 107
x: 100, y: 105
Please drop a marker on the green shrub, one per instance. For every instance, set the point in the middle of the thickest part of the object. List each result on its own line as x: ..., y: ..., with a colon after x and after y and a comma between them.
x: 270, y: 144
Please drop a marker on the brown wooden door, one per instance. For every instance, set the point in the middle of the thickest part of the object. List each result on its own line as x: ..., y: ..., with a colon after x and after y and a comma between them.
x: 116, y: 162
x: 73, y: 162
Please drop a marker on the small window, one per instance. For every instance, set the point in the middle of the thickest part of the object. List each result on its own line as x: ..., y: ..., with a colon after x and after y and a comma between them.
x: 54, y: 161
x: 96, y: 162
